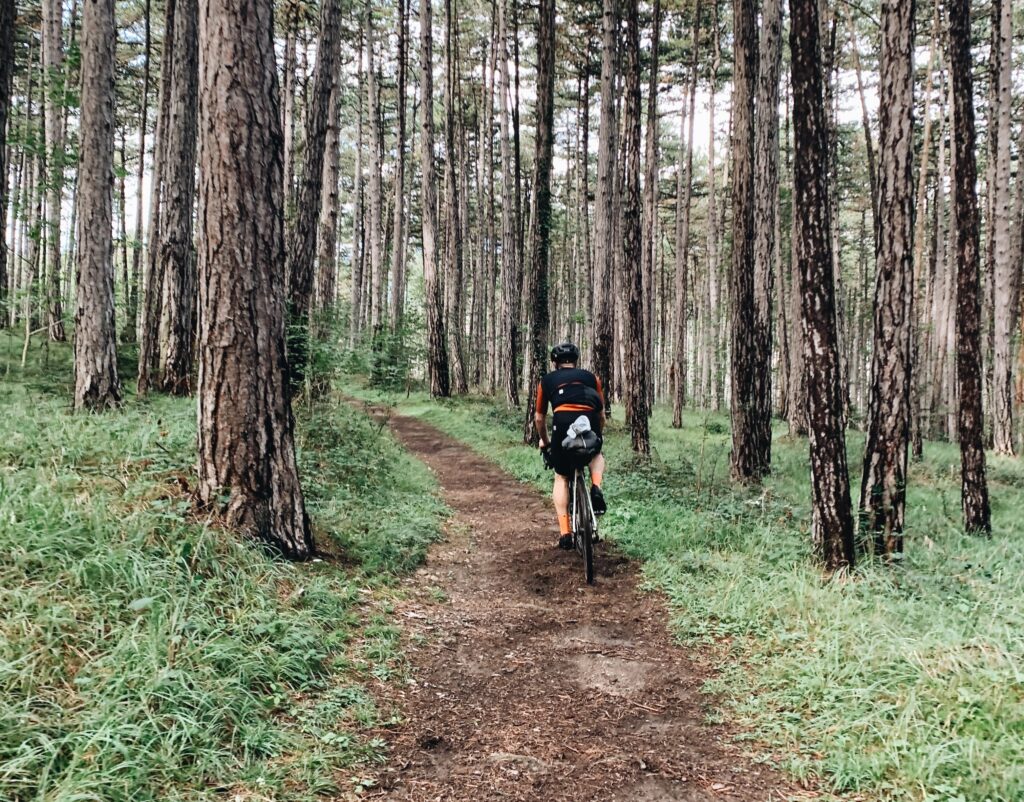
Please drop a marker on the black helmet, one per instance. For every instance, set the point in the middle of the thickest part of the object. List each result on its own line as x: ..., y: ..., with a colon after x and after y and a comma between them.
x: 565, y: 352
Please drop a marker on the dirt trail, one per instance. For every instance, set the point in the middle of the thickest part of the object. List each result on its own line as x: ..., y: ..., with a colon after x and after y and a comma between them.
x: 529, y: 685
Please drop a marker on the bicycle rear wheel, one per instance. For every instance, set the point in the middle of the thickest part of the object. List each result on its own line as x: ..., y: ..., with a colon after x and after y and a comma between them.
x: 584, y: 516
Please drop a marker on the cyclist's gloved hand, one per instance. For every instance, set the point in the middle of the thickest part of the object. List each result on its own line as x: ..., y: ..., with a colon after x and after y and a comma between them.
x: 545, y: 453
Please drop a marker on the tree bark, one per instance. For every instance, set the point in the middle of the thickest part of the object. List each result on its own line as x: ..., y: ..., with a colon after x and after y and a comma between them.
x: 1006, y: 272
x: 398, y: 259
x: 358, y: 215
x: 541, y: 229
x: 454, y: 291
x: 437, y: 344
x: 132, y: 314
x: 246, y: 431
x: 376, y: 318
x: 636, y: 363
x: 53, y: 70
x: 604, y: 241
x: 7, y: 17
x: 650, y: 200
x: 511, y: 290
x: 832, y: 527
x: 977, y: 516
x: 884, y: 484
x: 766, y: 249
x: 300, y: 256
x: 96, y: 382
x: 175, y: 254
x: 153, y: 280
x: 751, y: 433
x: 327, y: 248
x: 684, y: 195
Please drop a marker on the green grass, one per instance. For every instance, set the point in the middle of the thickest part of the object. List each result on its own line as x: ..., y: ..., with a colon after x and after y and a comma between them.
x: 900, y: 684
x: 145, y: 654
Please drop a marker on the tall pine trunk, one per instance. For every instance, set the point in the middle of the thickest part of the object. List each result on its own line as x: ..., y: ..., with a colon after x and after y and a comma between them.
x: 832, y: 518
x: 454, y: 291
x: 1006, y: 267
x: 301, y: 252
x: 766, y: 226
x: 246, y: 446
x: 604, y: 228
x: 650, y: 201
x: 7, y: 14
x: 437, y: 344
x: 398, y: 258
x: 977, y: 516
x: 636, y: 363
x: 684, y: 194
x: 53, y: 70
x: 96, y: 382
x: 153, y: 280
x: 508, y: 337
x: 540, y: 244
x: 883, y: 488
x: 751, y: 448
x: 175, y: 251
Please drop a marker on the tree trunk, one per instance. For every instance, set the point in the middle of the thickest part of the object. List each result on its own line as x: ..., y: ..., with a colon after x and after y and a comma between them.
x: 454, y: 291
x: 604, y: 241
x: 132, y: 314
x: 300, y: 256
x: 832, y: 528
x: 712, y: 334
x: 175, y: 254
x: 246, y: 430
x: 884, y: 484
x: 968, y: 313
x: 96, y: 383
x: 650, y: 200
x: 399, y: 258
x: 751, y: 429
x: 7, y: 16
x: 437, y: 344
x: 153, y: 280
x: 541, y: 229
x: 684, y: 195
x: 327, y: 249
x: 376, y: 198
x: 508, y: 337
x: 290, y: 13
x: 636, y: 363
x: 766, y: 250
x: 358, y: 215
x: 1006, y: 274
x: 53, y: 71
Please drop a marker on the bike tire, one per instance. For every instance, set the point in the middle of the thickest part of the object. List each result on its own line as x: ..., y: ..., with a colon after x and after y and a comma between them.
x: 585, y: 526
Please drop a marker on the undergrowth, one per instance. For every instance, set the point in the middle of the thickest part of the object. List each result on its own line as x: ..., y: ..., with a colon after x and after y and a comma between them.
x: 146, y: 654
x: 901, y: 683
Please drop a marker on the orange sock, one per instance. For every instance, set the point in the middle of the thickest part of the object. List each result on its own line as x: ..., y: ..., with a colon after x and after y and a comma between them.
x: 563, y: 524
x: 595, y: 479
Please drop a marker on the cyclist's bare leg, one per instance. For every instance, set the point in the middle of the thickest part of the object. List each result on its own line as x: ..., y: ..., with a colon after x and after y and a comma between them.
x: 560, y: 495
x: 597, y: 470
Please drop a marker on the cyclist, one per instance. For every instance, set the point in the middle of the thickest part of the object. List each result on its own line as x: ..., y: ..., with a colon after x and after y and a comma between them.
x: 571, y: 392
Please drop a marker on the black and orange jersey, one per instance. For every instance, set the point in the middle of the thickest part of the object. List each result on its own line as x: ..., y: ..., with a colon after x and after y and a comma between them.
x: 570, y: 390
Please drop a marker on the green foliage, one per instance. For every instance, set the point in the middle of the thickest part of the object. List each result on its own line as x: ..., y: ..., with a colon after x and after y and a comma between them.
x: 901, y: 683
x: 146, y: 654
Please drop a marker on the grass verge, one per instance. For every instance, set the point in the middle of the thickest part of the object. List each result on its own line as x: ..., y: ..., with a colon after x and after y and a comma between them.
x: 147, y: 655
x: 899, y: 684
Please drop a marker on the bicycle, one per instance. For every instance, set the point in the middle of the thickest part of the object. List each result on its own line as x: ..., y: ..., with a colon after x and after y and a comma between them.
x: 584, y: 522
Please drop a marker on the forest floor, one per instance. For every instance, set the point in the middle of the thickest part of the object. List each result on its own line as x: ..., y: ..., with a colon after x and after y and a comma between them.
x: 527, y: 684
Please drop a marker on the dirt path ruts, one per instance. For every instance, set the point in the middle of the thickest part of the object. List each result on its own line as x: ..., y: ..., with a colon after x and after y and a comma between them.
x: 529, y: 685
